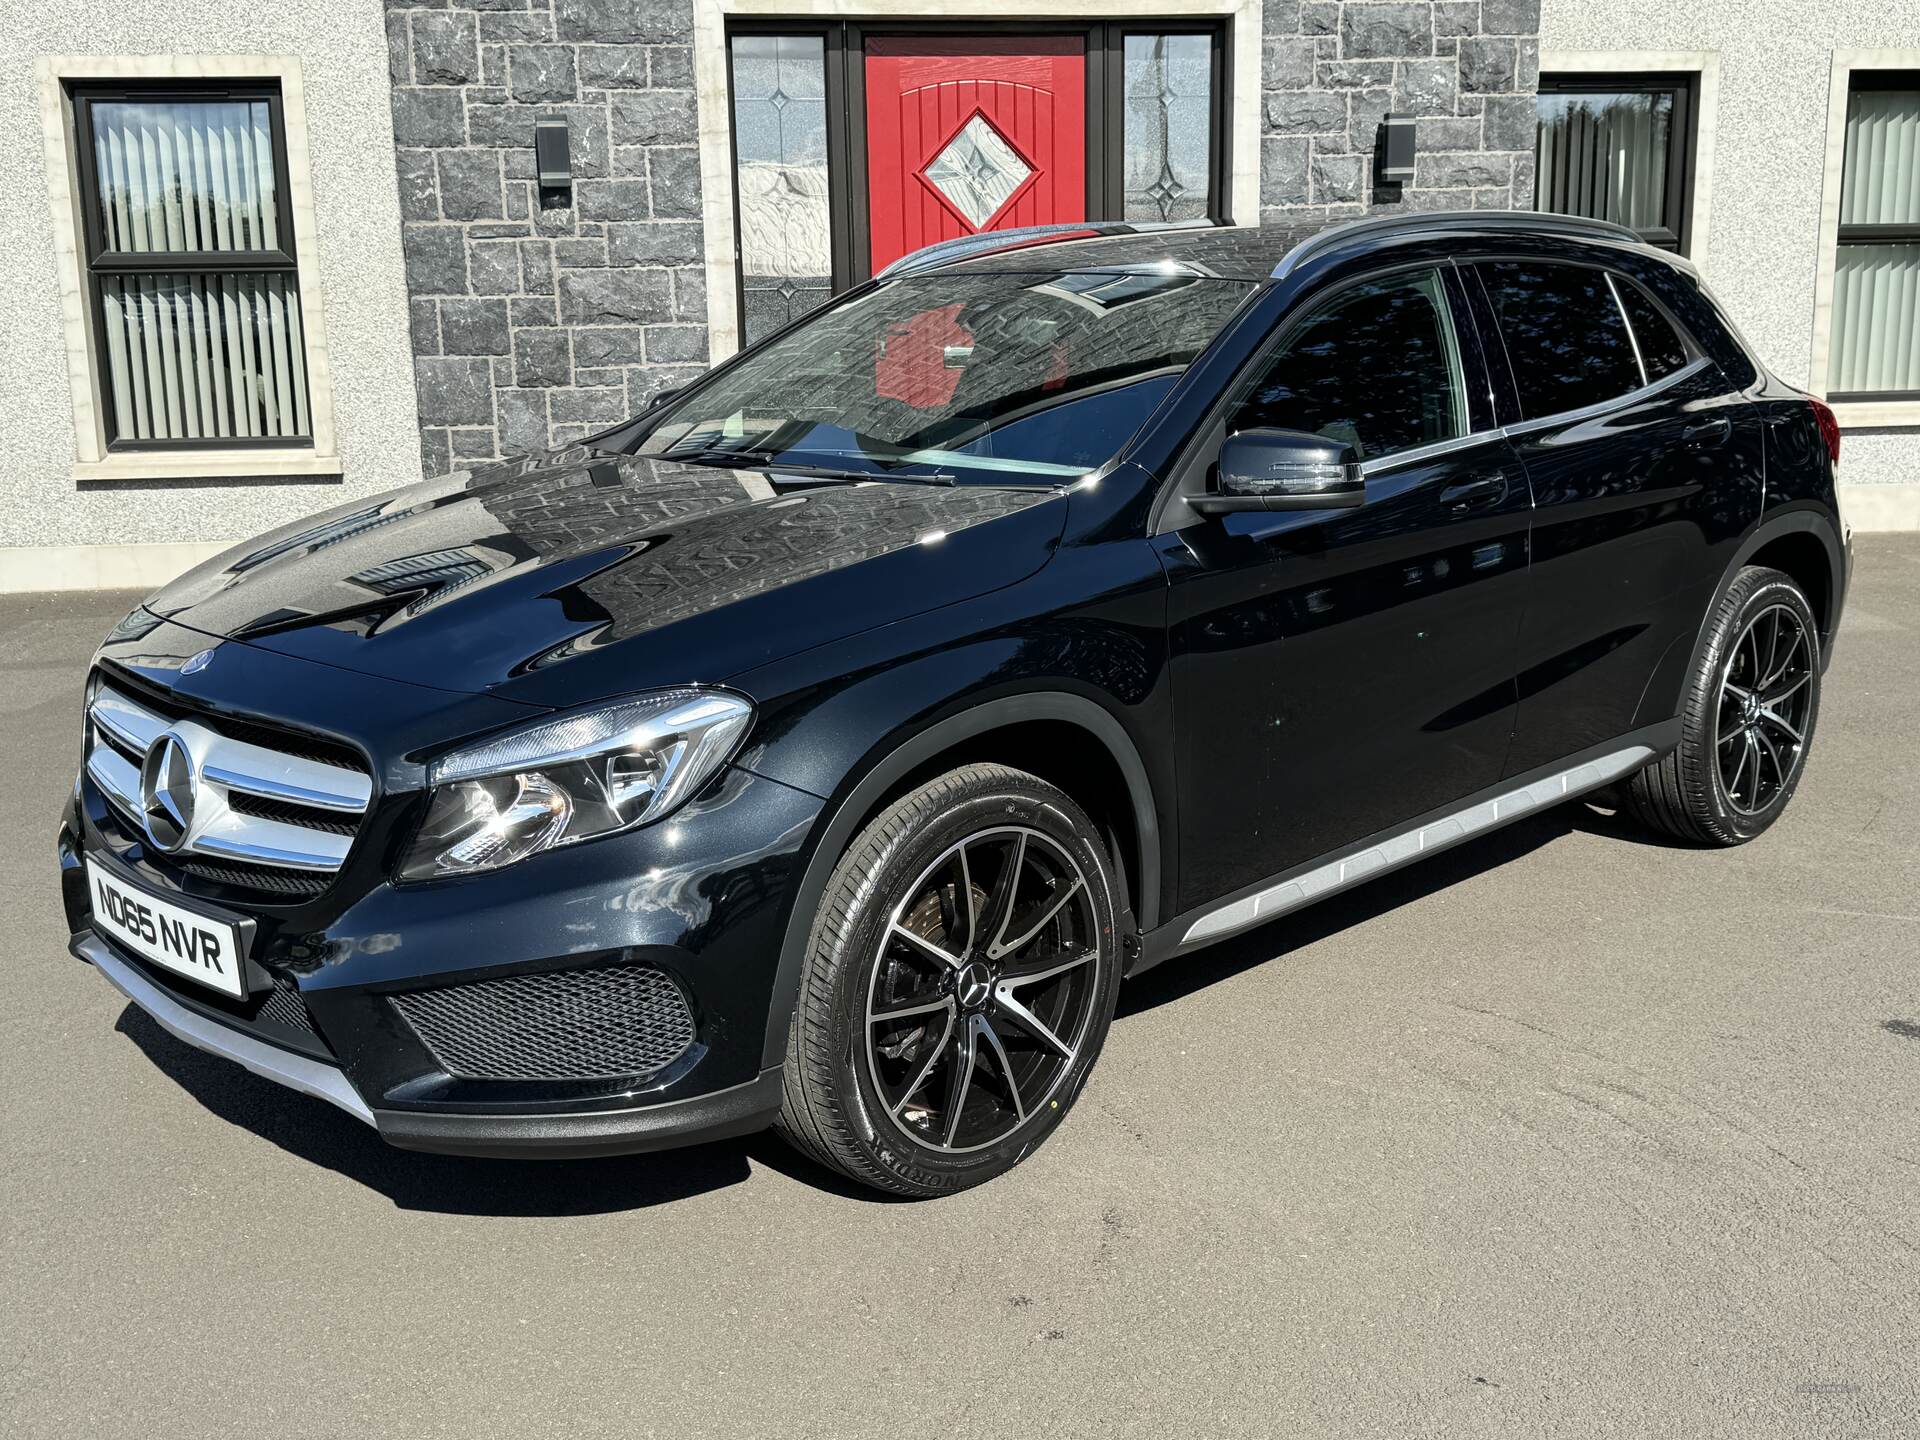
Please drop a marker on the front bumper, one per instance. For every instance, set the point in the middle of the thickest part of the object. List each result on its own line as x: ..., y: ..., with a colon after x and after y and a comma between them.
x: 740, y: 1110
x: 340, y: 983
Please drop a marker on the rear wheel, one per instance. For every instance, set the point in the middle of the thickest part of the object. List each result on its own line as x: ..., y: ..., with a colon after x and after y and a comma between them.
x: 959, y: 983
x: 1747, y: 720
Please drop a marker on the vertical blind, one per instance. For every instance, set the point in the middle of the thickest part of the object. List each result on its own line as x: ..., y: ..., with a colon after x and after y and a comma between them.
x: 1605, y: 156
x: 1876, y: 282
x: 198, y: 347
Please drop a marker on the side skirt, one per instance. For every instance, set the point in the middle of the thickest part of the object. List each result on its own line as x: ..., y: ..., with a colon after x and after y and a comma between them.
x: 1376, y: 855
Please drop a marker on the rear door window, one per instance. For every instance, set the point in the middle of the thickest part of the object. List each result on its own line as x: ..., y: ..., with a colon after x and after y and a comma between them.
x: 1662, y: 351
x: 1565, y: 336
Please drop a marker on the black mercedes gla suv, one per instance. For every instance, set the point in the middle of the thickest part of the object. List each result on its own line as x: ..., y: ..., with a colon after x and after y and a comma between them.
x: 823, y: 747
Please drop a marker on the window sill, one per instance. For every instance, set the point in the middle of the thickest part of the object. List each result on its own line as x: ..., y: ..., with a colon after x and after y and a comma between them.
x: 1870, y: 414
x: 209, y: 465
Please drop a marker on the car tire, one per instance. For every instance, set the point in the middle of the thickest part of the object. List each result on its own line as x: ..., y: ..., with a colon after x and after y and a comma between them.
x: 909, y: 999
x: 1747, y: 719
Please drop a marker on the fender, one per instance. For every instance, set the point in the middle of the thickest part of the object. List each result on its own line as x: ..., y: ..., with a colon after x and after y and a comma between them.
x: 836, y: 830
x: 1802, y: 517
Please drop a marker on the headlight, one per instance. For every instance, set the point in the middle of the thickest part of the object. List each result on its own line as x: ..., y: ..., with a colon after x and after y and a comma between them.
x: 574, y: 778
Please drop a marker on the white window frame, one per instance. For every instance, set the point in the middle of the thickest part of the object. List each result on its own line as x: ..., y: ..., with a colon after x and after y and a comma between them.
x: 1704, y: 65
x: 1851, y: 414
x: 92, y: 459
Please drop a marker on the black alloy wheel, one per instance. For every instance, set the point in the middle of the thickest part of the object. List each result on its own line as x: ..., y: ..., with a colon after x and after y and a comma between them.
x: 1747, y: 718
x: 959, y: 986
x: 1766, y: 696
x: 972, y: 1023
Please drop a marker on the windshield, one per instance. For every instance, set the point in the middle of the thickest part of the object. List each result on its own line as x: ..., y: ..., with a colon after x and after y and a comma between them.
x: 1003, y: 379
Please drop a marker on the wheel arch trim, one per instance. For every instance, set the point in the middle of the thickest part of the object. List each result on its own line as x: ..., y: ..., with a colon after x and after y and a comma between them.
x: 1804, y: 519
x: 877, y: 775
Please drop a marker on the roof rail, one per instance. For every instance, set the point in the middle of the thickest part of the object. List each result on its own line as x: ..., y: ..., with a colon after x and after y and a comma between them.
x: 1536, y: 221
x: 992, y: 242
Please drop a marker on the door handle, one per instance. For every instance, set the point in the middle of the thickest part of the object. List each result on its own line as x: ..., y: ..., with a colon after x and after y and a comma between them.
x: 1703, y: 433
x: 1481, y: 490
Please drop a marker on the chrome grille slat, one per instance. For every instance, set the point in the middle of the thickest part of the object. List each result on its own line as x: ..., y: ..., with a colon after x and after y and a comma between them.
x: 118, y: 779
x: 234, y: 836
x: 227, y: 766
x: 135, y: 726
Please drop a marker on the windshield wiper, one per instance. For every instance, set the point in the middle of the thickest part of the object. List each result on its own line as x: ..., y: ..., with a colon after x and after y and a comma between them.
x: 749, y: 459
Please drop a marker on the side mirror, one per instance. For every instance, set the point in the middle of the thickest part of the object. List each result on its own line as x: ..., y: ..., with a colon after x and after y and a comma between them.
x: 661, y: 397
x: 1284, y: 470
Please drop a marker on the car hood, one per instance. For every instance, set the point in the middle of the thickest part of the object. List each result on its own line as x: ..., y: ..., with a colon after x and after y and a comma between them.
x: 570, y: 577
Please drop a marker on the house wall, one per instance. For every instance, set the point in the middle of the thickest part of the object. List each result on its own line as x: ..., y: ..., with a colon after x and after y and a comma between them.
x: 135, y: 529
x: 535, y: 324
x: 1761, y: 252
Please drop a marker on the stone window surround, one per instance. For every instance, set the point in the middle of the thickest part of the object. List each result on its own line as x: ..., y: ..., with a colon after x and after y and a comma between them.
x: 92, y: 459
x: 713, y: 86
x: 1705, y: 66
x: 1878, y: 413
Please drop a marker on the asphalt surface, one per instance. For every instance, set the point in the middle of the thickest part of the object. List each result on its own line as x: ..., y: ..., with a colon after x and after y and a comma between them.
x: 1568, y: 1132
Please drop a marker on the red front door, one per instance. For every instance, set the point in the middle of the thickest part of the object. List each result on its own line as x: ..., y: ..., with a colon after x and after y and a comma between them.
x: 965, y: 135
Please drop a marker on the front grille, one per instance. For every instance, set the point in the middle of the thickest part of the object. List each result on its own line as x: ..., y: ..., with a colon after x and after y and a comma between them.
x: 269, y: 811
x: 294, y: 884
x: 615, y: 1022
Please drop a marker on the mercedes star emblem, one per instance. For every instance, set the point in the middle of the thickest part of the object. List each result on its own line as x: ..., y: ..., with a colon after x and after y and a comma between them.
x: 166, y: 792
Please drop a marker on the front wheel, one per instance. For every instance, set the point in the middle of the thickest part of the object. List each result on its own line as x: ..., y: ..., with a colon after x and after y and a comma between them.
x: 959, y: 982
x: 1746, y: 722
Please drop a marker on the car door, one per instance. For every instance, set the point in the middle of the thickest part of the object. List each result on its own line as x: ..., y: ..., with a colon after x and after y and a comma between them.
x: 1339, y: 672
x: 1642, y: 459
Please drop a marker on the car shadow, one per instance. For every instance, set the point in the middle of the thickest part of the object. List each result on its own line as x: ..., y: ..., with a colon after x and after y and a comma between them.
x: 1183, y: 976
x: 314, y: 1131
x: 317, y: 1133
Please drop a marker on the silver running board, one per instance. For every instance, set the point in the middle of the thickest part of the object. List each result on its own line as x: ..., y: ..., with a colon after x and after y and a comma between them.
x: 296, y: 1072
x: 1410, y: 845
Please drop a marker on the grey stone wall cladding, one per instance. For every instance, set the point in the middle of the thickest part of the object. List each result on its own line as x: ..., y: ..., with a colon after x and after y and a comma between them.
x: 1331, y: 69
x: 534, y: 324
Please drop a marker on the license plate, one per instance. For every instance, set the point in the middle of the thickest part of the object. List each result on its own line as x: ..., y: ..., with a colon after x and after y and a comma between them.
x: 171, y: 936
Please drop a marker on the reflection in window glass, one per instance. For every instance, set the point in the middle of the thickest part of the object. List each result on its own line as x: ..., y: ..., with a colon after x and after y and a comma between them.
x: 1661, y: 350
x: 1566, y: 340
x: 1376, y: 367
x: 185, y: 175
x: 780, y: 131
x: 1876, y: 279
x: 1605, y: 156
x: 1169, y: 118
x: 981, y: 376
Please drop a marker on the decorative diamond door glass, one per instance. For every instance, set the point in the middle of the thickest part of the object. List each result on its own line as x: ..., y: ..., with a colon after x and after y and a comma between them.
x: 1169, y: 126
x: 780, y: 133
x: 978, y: 171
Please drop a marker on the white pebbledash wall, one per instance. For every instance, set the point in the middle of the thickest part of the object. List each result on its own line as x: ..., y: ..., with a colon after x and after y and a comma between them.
x: 63, y: 530
x: 1765, y: 239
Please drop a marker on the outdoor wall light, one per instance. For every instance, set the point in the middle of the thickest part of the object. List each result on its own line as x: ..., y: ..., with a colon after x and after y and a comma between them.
x: 551, y: 162
x: 1393, y: 158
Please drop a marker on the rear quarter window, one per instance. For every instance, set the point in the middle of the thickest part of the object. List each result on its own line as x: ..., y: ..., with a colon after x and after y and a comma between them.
x: 1565, y: 337
x: 1662, y: 350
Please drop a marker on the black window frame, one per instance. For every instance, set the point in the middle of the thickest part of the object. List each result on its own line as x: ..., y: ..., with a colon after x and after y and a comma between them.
x: 1897, y: 234
x: 99, y: 262
x: 844, y: 52
x: 1682, y: 140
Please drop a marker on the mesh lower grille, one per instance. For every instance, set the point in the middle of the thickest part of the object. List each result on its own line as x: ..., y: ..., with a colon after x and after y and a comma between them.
x: 283, y: 1006
x: 562, y: 1025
